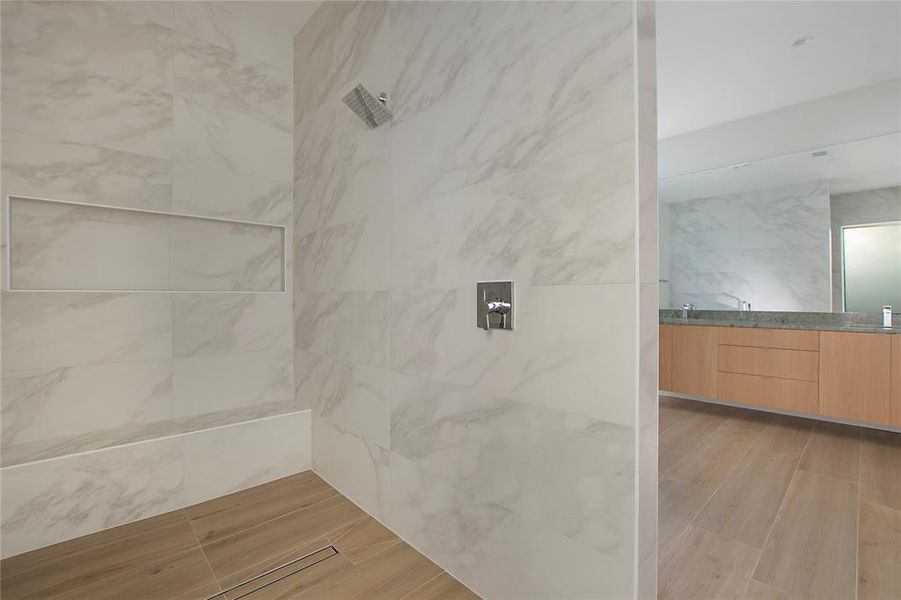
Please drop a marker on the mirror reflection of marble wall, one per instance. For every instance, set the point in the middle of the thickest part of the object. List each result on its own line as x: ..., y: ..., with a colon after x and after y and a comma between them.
x: 777, y: 248
x: 767, y: 247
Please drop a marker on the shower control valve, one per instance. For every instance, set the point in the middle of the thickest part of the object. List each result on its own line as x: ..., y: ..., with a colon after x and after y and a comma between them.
x: 494, y: 305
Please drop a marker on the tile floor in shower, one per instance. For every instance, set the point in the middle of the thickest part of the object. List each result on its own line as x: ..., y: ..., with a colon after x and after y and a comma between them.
x: 294, y: 538
x: 768, y: 507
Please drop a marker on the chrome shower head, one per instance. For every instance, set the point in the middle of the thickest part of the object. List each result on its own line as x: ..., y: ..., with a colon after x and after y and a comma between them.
x: 372, y: 110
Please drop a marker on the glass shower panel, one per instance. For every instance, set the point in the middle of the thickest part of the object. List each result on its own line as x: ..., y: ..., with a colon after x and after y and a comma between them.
x: 872, y: 267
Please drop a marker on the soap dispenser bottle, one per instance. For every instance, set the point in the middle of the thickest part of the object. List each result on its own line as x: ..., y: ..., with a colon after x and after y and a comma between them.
x: 887, y: 316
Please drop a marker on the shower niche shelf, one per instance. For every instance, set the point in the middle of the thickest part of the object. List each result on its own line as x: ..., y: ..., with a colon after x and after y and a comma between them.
x: 61, y: 246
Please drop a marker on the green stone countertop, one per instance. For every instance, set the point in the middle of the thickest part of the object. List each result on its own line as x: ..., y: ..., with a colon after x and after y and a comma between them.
x: 811, y: 321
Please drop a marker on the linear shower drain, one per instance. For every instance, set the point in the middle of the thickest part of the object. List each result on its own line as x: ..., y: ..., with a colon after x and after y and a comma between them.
x: 276, y: 576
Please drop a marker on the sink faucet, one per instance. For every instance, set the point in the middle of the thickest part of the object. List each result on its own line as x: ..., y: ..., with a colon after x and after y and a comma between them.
x: 743, y: 305
x: 686, y: 309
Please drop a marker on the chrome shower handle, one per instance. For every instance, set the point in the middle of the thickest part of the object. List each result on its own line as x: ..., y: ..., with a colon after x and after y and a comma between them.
x: 499, y: 307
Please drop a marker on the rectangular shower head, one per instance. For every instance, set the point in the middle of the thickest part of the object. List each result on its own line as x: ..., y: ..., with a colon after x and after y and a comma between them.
x: 372, y: 110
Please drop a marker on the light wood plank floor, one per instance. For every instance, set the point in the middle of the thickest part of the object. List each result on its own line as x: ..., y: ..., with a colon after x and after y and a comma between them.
x: 206, y: 550
x: 769, y: 507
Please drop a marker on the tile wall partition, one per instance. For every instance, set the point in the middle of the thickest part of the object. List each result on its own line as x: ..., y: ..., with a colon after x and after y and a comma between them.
x: 523, y: 146
x: 858, y: 208
x: 769, y: 247
x: 118, y: 406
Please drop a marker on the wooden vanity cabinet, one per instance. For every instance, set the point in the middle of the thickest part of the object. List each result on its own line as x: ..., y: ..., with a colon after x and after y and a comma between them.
x: 694, y: 350
x: 665, y: 344
x: 845, y: 375
x: 856, y: 376
x: 896, y: 380
x: 775, y: 368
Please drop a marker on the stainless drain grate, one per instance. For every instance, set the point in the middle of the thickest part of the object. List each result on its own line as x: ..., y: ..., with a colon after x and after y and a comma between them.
x: 276, y: 575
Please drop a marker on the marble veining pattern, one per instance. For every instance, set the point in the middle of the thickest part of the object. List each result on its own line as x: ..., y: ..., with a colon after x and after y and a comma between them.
x: 163, y: 106
x: 512, y: 154
x: 492, y: 446
x: 83, y: 173
x: 54, y: 403
x: 769, y: 247
x: 80, y: 34
x: 48, y: 502
x: 37, y: 99
x: 225, y: 323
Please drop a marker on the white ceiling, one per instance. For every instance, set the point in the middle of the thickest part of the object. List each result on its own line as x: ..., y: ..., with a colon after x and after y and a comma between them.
x: 859, y: 165
x: 721, y: 61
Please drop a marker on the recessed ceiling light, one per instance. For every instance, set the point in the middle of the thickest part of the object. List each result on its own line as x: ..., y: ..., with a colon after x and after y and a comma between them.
x: 802, y: 41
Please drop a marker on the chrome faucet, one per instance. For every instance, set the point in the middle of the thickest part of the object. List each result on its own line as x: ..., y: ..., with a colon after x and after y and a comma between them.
x: 686, y: 309
x: 743, y: 305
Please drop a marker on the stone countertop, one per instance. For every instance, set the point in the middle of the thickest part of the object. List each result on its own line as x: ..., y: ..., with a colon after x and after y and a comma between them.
x: 811, y: 321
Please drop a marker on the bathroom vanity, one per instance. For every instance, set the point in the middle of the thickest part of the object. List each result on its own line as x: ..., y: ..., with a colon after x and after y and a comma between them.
x: 818, y: 364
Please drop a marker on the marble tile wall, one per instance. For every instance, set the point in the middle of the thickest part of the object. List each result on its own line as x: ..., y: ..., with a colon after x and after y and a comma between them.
x: 769, y: 247
x: 516, y: 460
x: 117, y: 406
x: 858, y: 208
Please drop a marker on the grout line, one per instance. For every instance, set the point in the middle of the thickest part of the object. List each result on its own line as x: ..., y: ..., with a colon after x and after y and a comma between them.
x: 202, y: 551
x: 402, y: 538
x: 779, y: 511
x: 151, y: 440
x: 411, y: 593
x: 697, y: 513
x: 270, y: 520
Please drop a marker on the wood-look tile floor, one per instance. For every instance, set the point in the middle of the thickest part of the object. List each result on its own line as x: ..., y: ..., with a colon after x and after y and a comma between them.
x: 205, y: 551
x: 758, y: 506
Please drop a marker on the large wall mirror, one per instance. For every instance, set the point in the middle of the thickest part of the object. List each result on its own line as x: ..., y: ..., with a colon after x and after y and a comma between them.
x: 785, y: 193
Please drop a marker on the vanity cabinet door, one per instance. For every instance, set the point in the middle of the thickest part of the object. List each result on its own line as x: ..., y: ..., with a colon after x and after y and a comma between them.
x: 694, y: 360
x: 855, y: 376
x: 665, y: 342
x: 896, y: 380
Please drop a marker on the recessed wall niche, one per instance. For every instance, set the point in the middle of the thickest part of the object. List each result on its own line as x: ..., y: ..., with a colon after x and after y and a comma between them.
x: 65, y: 246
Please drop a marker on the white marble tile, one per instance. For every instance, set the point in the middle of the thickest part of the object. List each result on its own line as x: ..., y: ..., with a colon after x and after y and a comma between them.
x: 354, y: 398
x: 341, y: 42
x: 211, y: 383
x: 157, y: 11
x: 355, y: 255
x: 495, y: 551
x: 43, y: 330
x: 549, y: 100
x: 351, y: 326
x: 215, y: 192
x: 360, y: 470
x: 59, y: 499
x: 230, y: 140
x: 217, y: 77
x: 341, y: 168
x: 82, y: 173
x: 310, y: 373
x: 37, y: 99
x: 227, y: 323
x: 564, y: 471
x: 648, y: 357
x: 558, y: 354
x: 94, y: 37
x: 646, y: 467
x: 235, y: 27
x: 241, y: 258
x: 70, y: 248
x: 567, y: 222
x: 768, y: 247
x: 44, y: 404
x: 228, y: 459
